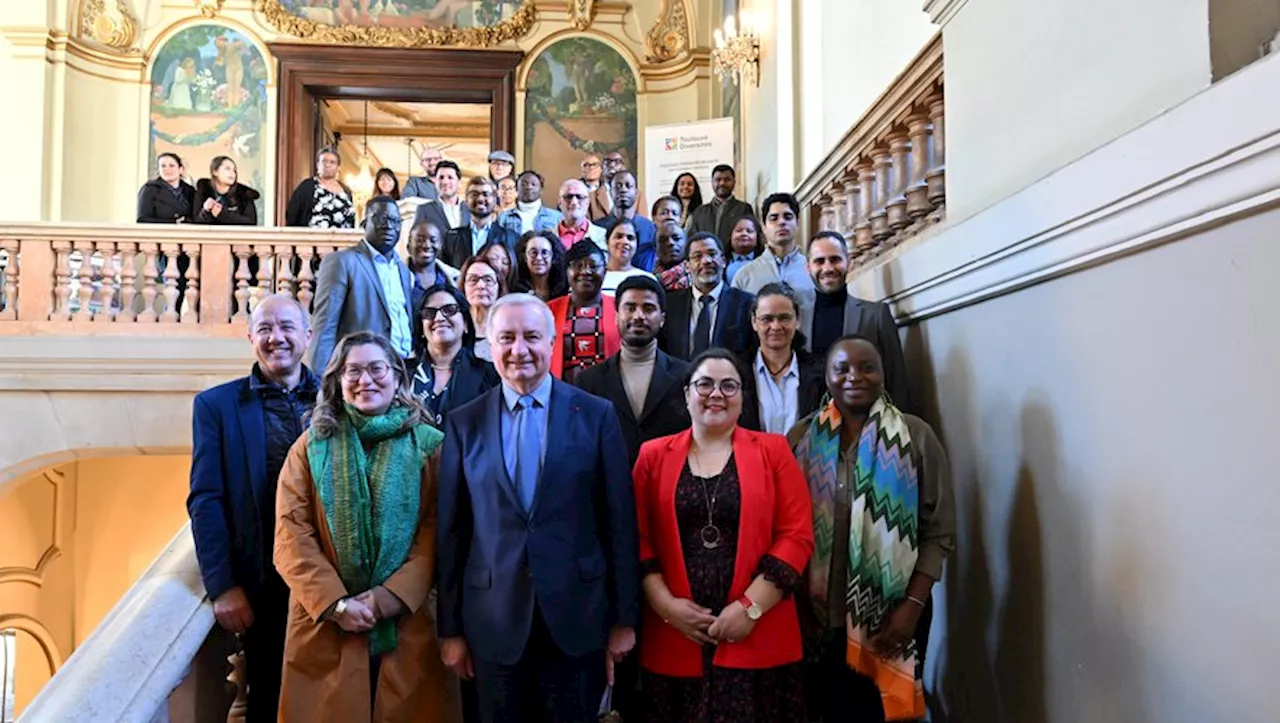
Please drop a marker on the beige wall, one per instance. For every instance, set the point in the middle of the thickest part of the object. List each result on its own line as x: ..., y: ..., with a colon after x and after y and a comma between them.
x: 107, y: 519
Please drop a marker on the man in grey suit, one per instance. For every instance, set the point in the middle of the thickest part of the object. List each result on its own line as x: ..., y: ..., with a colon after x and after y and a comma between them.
x: 364, y: 288
x: 836, y: 313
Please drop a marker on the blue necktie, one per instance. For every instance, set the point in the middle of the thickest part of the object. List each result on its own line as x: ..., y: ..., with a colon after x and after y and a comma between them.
x: 528, y: 450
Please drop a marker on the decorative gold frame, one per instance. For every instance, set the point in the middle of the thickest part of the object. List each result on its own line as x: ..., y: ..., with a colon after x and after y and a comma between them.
x: 514, y: 27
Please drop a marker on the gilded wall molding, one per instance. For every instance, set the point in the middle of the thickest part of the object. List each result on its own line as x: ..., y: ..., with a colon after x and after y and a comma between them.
x: 109, y: 23
x: 671, y: 36
x: 582, y: 13
x: 515, y: 27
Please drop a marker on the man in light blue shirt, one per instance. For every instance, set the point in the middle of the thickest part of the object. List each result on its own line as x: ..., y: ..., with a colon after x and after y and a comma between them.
x: 782, y: 259
x: 364, y: 287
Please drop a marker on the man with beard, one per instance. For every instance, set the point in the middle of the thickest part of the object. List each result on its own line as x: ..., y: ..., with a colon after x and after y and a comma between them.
x: 241, y: 432
x: 781, y: 260
x: 624, y: 207
x: 424, y: 187
x: 462, y: 243
x: 722, y: 213
x: 709, y: 313
x: 836, y: 313
x: 345, y: 301
x: 529, y: 213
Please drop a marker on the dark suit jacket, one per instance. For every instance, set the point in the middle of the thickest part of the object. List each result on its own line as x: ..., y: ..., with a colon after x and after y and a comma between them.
x: 664, y: 409
x: 228, y: 486
x: 704, y: 218
x: 813, y: 384
x: 456, y: 247
x: 433, y: 211
x: 574, y: 554
x: 349, y: 298
x: 732, y: 328
x: 157, y: 204
x: 873, y: 320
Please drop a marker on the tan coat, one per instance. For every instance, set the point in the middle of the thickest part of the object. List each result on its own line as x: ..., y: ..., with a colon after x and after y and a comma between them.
x: 326, y: 670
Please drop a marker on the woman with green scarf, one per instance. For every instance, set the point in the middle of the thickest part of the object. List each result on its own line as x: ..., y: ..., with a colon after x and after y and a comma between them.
x: 355, y: 542
x: 884, y: 522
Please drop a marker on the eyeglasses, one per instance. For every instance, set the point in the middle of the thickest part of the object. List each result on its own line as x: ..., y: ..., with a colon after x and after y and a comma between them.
x: 728, y: 387
x: 481, y: 281
x: 377, y: 371
x: 449, y: 311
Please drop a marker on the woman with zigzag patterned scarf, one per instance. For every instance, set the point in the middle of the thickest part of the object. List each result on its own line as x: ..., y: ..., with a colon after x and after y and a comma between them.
x: 355, y: 542
x: 884, y: 522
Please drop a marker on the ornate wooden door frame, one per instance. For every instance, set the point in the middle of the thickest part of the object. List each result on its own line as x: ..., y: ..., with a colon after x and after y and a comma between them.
x: 429, y: 75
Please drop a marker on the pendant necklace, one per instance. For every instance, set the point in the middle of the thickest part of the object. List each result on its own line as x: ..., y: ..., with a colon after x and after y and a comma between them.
x: 709, y: 533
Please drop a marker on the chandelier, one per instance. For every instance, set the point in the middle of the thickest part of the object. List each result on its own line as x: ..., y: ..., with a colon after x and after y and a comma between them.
x: 736, y: 56
x: 361, y: 183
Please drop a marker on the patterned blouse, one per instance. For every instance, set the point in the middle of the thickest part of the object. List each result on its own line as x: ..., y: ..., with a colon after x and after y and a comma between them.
x: 331, y: 210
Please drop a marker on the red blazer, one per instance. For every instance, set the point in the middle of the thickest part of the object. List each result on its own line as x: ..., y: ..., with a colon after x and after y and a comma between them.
x: 776, y: 518
x: 612, y: 339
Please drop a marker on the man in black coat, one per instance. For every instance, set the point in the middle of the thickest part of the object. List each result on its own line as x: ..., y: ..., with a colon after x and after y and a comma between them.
x: 710, y: 313
x: 482, y: 228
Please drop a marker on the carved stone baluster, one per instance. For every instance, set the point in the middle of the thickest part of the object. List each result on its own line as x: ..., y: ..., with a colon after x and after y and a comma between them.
x: 937, y: 175
x: 191, y: 299
x: 62, y: 282
x: 306, y: 277
x: 128, y: 281
x: 264, y: 283
x: 284, y: 269
x: 917, y: 190
x: 84, y: 291
x: 110, y: 282
x: 242, y: 281
x: 149, y: 281
x: 882, y: 163
x: 170, y: 313
x: 899, y: 147
x: 9, y: 310
x: 851, y: 203
x: 863, y: 239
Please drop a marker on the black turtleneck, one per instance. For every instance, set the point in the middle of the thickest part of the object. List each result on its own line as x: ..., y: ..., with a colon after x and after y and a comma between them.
x: 828, y: 319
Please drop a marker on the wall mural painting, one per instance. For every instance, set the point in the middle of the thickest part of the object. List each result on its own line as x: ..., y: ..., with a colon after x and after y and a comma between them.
x: 581, y: 99
x: 404, y: 14
x: 209, y: 98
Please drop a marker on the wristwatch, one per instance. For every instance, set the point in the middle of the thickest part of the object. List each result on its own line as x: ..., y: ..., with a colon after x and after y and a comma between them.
x: 341, y: 607
x: 754, y: 611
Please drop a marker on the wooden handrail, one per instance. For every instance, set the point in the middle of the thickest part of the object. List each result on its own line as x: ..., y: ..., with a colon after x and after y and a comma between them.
x: 885, y: 181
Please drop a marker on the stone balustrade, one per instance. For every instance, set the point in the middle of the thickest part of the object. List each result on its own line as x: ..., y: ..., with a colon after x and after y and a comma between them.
x: 150, y: 279
x: 885, y: 181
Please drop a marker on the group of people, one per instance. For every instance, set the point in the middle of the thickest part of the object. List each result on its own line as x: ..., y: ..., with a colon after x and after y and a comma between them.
x: 545, y: 467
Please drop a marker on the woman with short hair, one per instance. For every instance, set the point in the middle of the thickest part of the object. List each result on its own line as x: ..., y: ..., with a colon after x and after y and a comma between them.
x: 355, y: 531
x: 322, y: 201
x: 222, y: 200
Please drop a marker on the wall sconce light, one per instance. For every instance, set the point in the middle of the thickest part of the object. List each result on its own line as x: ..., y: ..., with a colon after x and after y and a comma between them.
x: 737, y: 52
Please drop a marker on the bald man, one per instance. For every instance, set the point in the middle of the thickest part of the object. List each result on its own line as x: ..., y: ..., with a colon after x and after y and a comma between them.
x: 241, y: 432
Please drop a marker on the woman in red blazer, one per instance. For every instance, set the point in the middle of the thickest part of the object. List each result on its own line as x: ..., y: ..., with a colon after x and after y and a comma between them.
x: 726, y: 527
x: 586, y: 321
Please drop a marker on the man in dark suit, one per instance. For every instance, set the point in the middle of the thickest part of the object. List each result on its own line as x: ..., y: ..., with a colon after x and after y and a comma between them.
x: 241, y: 432
x: 710, y: 313
x: 365, y: 287
x: 721, y: 214
x: 462, y: 243
x: 538, y: 549
x: 836, y: 313
x: 447, y: 210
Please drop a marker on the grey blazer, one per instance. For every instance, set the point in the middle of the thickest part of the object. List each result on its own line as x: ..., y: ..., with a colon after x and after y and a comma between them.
x: 349, y: 298
x: 873, y: 320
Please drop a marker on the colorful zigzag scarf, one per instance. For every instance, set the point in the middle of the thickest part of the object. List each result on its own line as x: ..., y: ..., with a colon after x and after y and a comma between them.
x: 372, y: 500
x: 883, y: 540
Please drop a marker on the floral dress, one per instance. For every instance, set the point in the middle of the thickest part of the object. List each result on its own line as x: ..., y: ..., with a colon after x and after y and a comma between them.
x: 331, y: 210
x: 721, y: 695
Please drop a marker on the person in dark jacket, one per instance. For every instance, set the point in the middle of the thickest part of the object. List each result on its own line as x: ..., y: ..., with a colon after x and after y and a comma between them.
x: 241, y: 434
x: 450, y: 374
x: 221, y: 199
x: 167, y: 198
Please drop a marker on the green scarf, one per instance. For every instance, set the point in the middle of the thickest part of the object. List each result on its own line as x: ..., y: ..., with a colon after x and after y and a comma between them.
x: 368, y: 476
